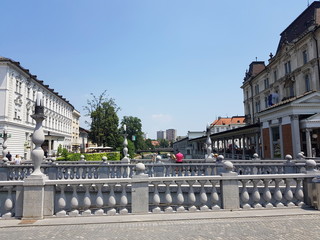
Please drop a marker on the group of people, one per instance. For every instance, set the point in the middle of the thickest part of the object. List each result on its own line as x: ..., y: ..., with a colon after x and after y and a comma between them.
x: 16, y: 160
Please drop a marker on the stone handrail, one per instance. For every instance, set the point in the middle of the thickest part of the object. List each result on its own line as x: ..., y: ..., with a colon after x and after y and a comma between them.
x: 143, y: 194
x: 122, y: 170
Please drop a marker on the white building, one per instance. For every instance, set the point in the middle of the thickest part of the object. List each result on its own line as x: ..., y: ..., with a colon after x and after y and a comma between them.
x: 18, y: 89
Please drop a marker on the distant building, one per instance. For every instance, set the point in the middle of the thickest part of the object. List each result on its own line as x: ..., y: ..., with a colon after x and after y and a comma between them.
x: 225, y: 124
x: 161, y: 135
x: 171, y: 135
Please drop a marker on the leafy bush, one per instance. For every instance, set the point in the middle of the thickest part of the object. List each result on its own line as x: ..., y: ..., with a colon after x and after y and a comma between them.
x: 114, y: 156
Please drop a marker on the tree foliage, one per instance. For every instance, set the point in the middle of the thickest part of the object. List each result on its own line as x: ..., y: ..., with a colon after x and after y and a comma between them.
x: 104, y: 120
x: 134, y: 128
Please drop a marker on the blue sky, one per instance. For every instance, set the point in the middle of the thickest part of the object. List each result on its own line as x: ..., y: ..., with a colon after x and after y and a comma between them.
x: 172, y: 63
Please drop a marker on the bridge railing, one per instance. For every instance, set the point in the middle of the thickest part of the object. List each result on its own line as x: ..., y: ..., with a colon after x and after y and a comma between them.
x: 143, y: 194
x: 98, y: 170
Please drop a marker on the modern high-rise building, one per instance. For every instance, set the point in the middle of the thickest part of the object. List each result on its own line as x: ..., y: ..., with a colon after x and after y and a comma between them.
x: 171, y: 135
x: 161, y: 135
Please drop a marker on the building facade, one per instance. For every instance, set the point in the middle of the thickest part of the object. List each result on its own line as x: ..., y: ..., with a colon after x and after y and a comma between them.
x: 161, y: 135
x: 284, y: 95
x: 18, y: 89
x: 171, y: 135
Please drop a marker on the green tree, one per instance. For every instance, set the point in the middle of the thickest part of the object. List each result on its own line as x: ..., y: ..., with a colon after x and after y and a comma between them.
x: 148, y: 144
x: 134, y: 131
x: 104, y: 120
x: 164, y: 143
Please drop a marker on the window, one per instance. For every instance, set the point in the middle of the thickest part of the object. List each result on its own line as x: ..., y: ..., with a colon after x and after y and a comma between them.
x: 247, y: 94
x: 305, y: 56
x: 258, y: 106
x: 287, y: 67
x: 266, y: 83
x: 289, y: 88
x: 266, y: 101
x: 256, y: 88
x: 28, y: 93
x: 307, y: 82
x: 275, y: 75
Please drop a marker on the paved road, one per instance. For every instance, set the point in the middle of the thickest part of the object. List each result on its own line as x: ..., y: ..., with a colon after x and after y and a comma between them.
x: 293, y: 227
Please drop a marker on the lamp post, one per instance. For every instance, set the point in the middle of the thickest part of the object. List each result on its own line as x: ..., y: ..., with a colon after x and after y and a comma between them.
x: 38, y: 136
x: 125, y: 146
x: 4, y: 144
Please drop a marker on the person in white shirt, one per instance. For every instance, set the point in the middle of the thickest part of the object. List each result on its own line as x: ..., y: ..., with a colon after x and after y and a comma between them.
x: 17, y: 159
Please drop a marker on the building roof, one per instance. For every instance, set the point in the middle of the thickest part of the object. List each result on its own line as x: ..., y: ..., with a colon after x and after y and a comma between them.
x: 300, y: 26
x: 34, y: 77
x: 229, y: 121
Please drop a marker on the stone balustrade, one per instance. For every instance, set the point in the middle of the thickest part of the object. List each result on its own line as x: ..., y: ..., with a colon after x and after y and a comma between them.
x: 86, y: 170
x: 140, y: 193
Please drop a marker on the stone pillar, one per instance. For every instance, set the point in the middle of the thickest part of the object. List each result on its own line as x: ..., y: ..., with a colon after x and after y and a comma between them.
x: 229, y: 188
x: 308, y: 142
x: 33, y: 197
x: 140, y: 191
x: 243, y: 147
x: 308, y: 185
x: 295, y: 132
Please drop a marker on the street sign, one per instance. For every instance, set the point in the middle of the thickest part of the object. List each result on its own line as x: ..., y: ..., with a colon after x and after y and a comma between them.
x: 133, y: 137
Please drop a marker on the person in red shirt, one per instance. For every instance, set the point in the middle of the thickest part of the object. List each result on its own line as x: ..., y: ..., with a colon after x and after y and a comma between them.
x: 179, y: 157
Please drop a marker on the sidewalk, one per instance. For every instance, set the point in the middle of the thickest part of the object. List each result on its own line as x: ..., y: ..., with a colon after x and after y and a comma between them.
x: 222, y: 214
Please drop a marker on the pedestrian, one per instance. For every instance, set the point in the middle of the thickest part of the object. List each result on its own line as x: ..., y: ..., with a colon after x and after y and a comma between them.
x: 9, y: 156
x: 179, y: 157
x: 17, y: 160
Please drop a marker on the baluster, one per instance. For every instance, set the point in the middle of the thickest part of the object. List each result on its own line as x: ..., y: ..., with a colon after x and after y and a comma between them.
x: 78, y: 172
x: 203, y: 196
x: 81, y: 172
x: 156, y: 198
x: 256, y: 194
x: 206, y: 170
x: 66, y: 173
x: 123, y: 200
x: 89, y: 174
x: 277, y: 194
x: 71, y: 174
x: 166, y: 171
x: 214, y: 196
x: 191, y: 197
x: 180, y: 198
x: 245, y: 195
x: 193, y: 170
x: 99, y: 201
x: 108, y: 171
x: 62, y: 202
x: 288, y: 193
x: 118, y: 171
x: 96, y: 173
x: 74, y: 203
x: 85, y: 173
x: 168, y: 197
x: 8, y: 204
x: 112, y: 200
x: 267, y: 194
x: 299, y: 193
x: 87, y: 201
x: 112, y: 170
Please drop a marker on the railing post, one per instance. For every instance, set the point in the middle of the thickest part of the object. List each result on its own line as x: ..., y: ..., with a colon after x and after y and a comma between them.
x: 229, y: 188
x: 158, y: 168
x: 289, y: 166
x: 140, y: 191
x: 308, y: 185
x: 52, y: 171
x: 4, y: 171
